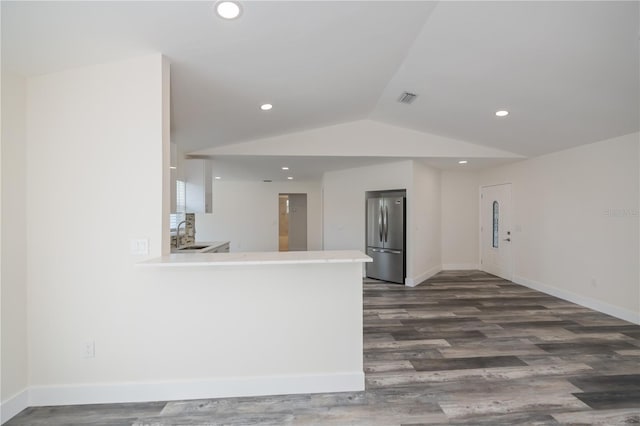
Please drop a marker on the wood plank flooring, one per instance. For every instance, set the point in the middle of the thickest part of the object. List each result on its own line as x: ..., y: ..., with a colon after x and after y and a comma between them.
x: 464, y: 347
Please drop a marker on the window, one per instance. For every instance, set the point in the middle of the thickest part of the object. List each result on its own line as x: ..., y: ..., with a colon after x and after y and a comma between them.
x: 181, y: 205
x: 495, y: 224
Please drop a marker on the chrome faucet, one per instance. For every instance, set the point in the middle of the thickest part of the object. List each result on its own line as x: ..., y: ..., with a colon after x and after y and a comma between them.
x: 178, y: 233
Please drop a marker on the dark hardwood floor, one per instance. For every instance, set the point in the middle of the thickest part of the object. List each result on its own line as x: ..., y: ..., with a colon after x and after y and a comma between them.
x: 464, y: 347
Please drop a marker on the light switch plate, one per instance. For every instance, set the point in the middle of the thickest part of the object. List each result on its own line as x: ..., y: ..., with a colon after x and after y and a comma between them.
x: 140, y: 247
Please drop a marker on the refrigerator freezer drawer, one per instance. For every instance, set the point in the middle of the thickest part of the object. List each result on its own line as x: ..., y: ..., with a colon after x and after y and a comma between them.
x: 387, y: 265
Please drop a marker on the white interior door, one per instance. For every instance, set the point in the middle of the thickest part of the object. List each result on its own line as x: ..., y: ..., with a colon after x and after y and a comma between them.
x: 495, y: 230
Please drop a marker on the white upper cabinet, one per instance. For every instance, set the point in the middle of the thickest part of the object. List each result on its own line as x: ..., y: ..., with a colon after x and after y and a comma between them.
x: 199, y: 184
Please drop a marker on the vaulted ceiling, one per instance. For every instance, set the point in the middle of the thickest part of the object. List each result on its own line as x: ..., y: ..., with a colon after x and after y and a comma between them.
x: 568, y: 72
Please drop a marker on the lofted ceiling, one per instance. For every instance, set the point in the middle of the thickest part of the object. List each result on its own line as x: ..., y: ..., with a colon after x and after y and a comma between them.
x: 567, y: 71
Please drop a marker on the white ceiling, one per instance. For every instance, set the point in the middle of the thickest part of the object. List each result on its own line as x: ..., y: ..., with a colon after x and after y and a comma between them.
x: 567, y: 71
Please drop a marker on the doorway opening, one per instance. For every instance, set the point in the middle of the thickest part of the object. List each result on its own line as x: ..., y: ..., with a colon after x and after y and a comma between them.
x: 292, y: 222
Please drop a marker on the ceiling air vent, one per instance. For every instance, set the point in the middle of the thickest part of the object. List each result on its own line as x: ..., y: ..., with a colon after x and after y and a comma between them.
x: 267, y: 180
x: 407, y: 98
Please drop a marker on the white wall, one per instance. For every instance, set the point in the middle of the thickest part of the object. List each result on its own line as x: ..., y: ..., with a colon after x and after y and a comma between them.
x: 344, y: 211
x: 13, y: 293
x: 575, y: 223
x: 460, y: 219
x: 246, y: 213
x: 97, y: 177
x: 424, y: 225
x: 344, y: 200
x: 97, y: 156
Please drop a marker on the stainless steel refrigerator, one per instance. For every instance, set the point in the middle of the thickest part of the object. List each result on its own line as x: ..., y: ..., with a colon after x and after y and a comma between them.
x: 386, y: 237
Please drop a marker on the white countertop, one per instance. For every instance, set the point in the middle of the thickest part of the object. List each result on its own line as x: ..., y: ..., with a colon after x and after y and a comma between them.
x: 260, y: 258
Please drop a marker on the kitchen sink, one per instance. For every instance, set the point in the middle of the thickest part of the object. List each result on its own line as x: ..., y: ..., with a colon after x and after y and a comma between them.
x: 192, y: 247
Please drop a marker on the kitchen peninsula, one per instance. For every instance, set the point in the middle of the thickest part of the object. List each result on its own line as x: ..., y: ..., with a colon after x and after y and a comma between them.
x: 260, y: 323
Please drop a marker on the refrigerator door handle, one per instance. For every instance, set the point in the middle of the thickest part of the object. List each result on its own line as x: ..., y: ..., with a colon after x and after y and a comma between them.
x: 386, y: 223
x: 380, y: 223
x: 394, y: 251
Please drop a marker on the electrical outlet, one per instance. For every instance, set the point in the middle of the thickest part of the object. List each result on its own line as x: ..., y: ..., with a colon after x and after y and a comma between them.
x: 140, y: 247
x: 89, y: 349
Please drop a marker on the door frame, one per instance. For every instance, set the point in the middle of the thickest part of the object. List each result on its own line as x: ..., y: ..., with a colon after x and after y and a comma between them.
x: 480, y: 245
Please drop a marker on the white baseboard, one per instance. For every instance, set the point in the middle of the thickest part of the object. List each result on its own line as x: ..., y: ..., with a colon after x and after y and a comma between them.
x: 597, y: 305
x: 460, y: 266
x: 412, y: 282
x: 13, y: 405
x: 201, y: 389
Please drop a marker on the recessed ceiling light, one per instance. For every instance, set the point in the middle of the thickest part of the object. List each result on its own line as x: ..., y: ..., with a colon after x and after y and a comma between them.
x: 266, y: 107
x: 228, y: 9
x: 502, y: 113
x: 285, y: 168
x: 462, y: 162
x: 218, y: 178
x: 290, y: 177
